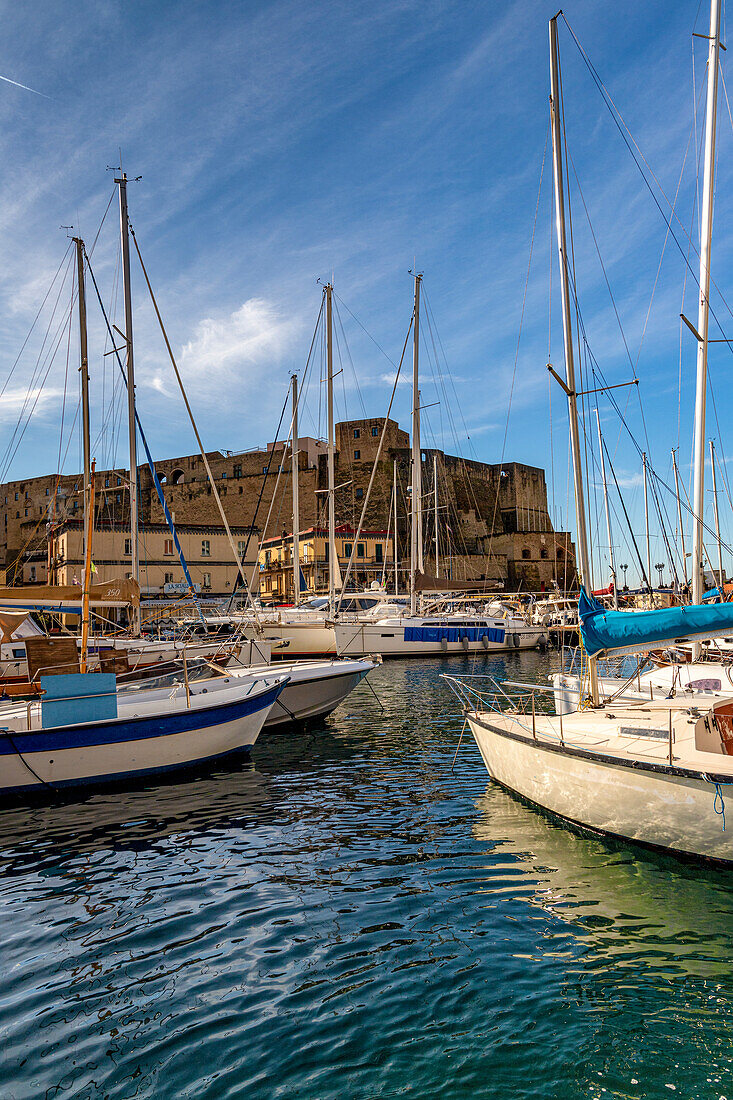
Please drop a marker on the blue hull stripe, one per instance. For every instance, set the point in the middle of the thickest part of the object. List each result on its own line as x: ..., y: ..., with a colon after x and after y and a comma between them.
x: 134, y: 729
x: 452, y: 633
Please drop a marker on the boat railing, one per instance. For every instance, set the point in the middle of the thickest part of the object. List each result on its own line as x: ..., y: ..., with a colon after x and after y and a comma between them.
x: 483, y: 692
x: 625, y: 666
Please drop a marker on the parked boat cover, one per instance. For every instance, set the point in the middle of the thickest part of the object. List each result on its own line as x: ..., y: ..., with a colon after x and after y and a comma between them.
x: 605, y: 631
x: 115, y: 593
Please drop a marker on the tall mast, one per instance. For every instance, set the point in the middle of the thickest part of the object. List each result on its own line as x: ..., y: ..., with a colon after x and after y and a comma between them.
x: 130, y: 371
x: 332, y: 562
x: 83, y: 369
x: 611, y: 556
x: 721, y: 579
x: 86, y: 448
x: 435, y: 509
x: 415, y: 503
x: 296, y: 501
x: 646, y: 525
x: 679, y: 516
x: 583, y: 558
x: 394, y: 545
x: 706, y: 236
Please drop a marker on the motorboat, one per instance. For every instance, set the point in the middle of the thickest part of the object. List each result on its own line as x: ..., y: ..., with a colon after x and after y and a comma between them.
x: 85, y: 730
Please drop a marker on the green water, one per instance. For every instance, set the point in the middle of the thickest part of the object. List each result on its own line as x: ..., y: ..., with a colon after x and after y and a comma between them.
x: 345, y: 916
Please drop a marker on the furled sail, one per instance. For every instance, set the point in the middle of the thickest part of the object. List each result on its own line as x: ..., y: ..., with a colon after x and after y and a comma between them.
x: 604, y: 631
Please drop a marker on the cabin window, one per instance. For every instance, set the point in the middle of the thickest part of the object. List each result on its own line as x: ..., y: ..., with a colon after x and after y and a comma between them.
x: 205, y: 548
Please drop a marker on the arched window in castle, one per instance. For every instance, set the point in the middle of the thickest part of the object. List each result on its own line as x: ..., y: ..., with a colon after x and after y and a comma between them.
x: 543, y: 554
x: 560, y: 553
x: 525, y: 553
x: 176, y: 477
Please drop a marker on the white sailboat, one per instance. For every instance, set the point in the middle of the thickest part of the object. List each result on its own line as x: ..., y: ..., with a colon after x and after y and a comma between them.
x: 408, y: 632
x: 653, y: 771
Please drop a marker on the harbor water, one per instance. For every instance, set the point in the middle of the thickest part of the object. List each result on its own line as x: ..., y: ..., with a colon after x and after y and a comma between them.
x: 349, y: 915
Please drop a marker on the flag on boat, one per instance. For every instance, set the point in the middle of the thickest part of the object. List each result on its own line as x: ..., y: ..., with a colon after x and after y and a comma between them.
x: 604, y: 631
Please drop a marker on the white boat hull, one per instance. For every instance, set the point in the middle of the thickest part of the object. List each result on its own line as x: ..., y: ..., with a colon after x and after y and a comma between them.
x: 157, y: 739
x: 647, y: 803
x: 387, y: 640
x: 314, y: 689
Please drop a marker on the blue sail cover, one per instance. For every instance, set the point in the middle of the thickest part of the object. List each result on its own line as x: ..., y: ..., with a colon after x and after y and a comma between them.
x: 605, y: 631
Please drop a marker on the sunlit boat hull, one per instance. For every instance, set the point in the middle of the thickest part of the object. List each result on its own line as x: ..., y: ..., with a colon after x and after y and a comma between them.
x: 648, y: 803
x: 314, y: 689
x: 165, y: 738
x: 399, y: 639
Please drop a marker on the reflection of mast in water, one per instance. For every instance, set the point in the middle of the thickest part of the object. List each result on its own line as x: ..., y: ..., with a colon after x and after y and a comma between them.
x: 634, y: 908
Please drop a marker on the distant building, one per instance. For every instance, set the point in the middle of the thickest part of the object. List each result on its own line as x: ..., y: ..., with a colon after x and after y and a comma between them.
x: 373, y: 561
x: 493, y: 520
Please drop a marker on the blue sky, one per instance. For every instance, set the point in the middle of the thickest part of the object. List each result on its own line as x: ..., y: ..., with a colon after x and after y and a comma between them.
x: 281, y: 142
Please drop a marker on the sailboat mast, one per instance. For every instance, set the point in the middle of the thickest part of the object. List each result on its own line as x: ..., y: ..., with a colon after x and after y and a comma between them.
x: 611, y: 556
x: 582, y: 531
x: 86, y: 448
x: 721, y: 579
x: 394, y: 545
x: 130, y: 372
x: 83, y: 367
x: 435, y: 510
x: 296, y: 501
x: 415, y: 503
x: 706, y: 237
x: 646, y: 525
x: 679, y: 516
x: 332, y: 562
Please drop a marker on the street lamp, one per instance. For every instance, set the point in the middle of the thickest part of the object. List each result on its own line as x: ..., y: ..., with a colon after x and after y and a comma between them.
x: 660, y: 569
x: 624, y: 567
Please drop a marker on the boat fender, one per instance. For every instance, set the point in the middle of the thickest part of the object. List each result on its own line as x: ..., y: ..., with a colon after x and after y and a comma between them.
x: 444, y: 644
x: 516, y: 641
x: 464, y: 643
x: 542, y: 643
x: 485, y: 641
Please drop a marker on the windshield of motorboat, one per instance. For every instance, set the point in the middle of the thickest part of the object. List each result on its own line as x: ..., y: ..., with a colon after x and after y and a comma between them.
x: 196, y: 669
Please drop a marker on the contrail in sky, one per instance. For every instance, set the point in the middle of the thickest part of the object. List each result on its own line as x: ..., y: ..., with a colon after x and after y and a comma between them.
x: 17, y: 85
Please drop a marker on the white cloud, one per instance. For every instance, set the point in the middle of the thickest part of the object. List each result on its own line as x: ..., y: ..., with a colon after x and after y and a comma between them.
x: 232, y: 351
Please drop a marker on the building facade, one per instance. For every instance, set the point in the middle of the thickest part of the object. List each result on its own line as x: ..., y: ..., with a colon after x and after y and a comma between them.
x: 373, y: 561
x: 493, y: 522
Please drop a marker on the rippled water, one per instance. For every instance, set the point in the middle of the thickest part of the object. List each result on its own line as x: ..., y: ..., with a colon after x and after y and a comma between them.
x: 347, y: 917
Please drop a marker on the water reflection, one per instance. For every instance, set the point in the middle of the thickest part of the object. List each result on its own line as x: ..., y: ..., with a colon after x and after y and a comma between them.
x: 627, y: 907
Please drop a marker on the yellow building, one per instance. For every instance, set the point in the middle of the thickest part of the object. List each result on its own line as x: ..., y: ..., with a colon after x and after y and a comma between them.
x: 373, y: 559
x: 206, y: 549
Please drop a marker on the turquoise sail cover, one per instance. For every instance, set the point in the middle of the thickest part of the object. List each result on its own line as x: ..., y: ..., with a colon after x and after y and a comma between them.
x: 605, y: 631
